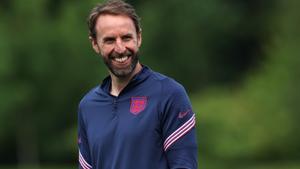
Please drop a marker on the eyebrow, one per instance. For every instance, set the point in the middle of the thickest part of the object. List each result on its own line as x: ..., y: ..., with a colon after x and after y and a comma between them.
x: 127, y: 35
x: 113, y: 37
x: 108, y: 38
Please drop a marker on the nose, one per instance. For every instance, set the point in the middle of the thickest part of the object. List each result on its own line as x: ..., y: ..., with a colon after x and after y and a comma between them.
x: 119, y: 46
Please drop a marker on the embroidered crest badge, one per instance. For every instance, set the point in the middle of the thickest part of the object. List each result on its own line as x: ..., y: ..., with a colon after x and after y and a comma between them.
x: 138, y: 104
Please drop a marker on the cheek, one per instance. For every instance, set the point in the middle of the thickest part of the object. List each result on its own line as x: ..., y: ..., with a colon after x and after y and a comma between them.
x: 105, y: 51
x: 133, y: 46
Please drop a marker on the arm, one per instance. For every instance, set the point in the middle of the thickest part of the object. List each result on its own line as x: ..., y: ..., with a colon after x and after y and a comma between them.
x: 179, y: 130
x: 83, y: 147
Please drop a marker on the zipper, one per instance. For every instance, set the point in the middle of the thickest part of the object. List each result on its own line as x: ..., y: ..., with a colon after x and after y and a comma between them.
x: 115, y: 106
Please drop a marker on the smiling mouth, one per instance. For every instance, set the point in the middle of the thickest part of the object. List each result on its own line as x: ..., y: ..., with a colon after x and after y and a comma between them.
x: 121, y: 59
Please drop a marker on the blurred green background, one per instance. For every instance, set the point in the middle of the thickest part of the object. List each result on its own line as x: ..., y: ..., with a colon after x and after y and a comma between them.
x: 238, y: 59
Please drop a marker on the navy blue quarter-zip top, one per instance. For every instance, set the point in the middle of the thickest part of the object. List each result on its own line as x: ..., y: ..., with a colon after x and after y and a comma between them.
x: 149, y: 125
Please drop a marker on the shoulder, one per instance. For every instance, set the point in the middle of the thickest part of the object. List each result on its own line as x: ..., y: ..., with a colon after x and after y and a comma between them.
x: 169, y: 86
x: 88, y: 97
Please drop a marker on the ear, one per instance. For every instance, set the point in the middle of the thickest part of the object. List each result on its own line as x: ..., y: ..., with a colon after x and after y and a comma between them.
x: 94, y: 44
x: 139, y: 38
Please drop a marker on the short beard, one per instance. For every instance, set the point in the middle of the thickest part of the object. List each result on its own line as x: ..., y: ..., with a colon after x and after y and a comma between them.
x: 122, y: 73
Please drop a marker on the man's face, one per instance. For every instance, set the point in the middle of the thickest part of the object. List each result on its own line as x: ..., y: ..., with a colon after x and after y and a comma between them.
x: 118, y: 43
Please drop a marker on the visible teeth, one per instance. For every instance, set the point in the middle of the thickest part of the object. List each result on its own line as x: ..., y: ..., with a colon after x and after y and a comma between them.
x: 122, y: 59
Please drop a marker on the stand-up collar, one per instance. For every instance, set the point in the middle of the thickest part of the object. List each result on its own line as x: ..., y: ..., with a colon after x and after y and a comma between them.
x: 136, y: 79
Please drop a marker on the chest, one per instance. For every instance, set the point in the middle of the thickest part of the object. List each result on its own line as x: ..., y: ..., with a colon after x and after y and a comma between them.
x: 123, y: 121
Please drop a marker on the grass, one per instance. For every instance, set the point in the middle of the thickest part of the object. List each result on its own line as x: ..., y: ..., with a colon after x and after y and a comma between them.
x: 277, y: 165
x: 41, y: 167
x: 273, y: 165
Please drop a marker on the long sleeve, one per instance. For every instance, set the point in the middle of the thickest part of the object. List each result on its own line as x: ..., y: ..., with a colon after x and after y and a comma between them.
x: 83, y: 147
x: 179, y: 130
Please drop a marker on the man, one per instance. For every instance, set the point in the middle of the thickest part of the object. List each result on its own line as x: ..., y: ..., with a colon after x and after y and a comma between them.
x: 137, y: 118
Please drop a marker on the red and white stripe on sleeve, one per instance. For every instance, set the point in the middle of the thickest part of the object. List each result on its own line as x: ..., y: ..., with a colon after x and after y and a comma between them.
x: 181, y: 131
x: 83, y: 163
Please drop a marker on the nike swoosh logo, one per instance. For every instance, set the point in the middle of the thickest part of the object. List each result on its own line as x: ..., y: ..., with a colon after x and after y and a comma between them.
x: 182, y: 114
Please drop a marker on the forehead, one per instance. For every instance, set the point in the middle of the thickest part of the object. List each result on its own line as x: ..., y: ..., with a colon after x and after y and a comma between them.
x: 111, y: 24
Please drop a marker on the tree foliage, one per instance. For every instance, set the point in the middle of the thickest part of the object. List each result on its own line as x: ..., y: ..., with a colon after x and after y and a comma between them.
x: 258, y: 119
x: 47, y: 64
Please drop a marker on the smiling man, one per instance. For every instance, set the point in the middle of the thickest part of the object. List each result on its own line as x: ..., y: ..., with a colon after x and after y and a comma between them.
x: 137, y: 118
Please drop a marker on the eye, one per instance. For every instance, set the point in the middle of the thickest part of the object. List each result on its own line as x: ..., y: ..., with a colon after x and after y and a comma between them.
x: 126, y: 38
x: 108, y: 40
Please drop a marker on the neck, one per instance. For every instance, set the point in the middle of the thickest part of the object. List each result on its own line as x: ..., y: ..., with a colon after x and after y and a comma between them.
x: 118, y: 84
